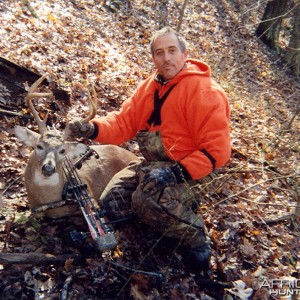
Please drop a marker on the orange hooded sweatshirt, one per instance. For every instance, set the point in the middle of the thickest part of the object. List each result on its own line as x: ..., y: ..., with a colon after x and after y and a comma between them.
x: 194, y: 119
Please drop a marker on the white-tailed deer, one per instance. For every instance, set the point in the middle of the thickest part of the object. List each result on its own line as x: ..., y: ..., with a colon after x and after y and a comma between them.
x: 44, y: 176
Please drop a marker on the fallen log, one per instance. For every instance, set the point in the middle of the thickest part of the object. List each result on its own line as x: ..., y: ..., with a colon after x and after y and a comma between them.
x: 13, y: 77
x: 34, y: 258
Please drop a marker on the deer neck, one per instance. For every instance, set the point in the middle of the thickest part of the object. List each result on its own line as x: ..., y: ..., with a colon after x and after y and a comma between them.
x: 40, y: 179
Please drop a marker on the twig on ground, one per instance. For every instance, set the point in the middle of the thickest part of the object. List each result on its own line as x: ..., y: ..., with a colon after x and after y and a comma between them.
x: 249, y: 188
x: 12, y: 183
x: 33, y: 258
x: 279, y: 219
x: 15, y: 114
x: 64, y: 290
x: 265, y: 203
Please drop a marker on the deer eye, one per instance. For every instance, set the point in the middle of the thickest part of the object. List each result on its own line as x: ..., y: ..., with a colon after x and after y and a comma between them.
x: 62, y: 151
x: 39, y: 147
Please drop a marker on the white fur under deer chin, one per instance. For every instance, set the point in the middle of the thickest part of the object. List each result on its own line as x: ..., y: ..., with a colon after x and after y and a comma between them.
x: 42, y: 180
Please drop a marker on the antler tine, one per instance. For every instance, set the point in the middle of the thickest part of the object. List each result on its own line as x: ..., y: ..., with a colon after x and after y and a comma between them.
x: 92, y: 103
x: 28, y: 99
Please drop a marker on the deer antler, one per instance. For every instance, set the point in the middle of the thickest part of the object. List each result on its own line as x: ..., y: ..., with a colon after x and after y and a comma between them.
x: 92, y: 99
x: 28, y: 99
x: 93, y: 105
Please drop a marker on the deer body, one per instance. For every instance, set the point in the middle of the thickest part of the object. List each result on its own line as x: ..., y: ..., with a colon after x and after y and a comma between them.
x: 44, y: 175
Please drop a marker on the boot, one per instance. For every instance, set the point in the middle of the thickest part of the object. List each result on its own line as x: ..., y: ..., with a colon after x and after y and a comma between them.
x: 198, y: 258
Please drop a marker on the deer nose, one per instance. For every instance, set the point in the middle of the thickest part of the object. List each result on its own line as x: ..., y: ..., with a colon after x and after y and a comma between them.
x: 48, y: 169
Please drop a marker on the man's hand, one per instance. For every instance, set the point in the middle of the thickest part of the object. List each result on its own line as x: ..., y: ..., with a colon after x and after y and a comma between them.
x: 158, y: 179
x: 76, y: 129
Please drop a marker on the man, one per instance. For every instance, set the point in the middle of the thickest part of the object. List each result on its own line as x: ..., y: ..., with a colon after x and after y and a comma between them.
x: 180, y: 118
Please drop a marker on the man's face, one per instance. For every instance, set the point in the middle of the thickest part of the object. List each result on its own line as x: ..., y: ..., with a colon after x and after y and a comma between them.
x: 167, y: 56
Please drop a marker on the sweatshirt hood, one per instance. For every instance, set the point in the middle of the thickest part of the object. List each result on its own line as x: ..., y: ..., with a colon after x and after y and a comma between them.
x: 197, y: 67
x: 192, y: 67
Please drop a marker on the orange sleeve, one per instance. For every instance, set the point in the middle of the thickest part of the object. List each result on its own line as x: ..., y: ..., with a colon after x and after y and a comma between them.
x: 123, y: 125
x: 118, y: 126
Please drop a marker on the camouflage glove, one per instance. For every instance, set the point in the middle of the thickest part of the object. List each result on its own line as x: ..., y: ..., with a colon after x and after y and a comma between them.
x: 77, y: 129
x: 158, y: 179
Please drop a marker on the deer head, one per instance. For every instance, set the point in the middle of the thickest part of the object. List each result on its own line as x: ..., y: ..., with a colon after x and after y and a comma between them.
x: 50, y: 145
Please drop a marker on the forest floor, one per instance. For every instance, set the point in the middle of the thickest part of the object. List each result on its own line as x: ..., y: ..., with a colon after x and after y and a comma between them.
x: 77, y: 42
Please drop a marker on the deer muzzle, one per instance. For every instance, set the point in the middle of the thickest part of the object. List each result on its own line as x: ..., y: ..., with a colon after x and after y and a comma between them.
x: 48, y: 170
x: 49, y: 165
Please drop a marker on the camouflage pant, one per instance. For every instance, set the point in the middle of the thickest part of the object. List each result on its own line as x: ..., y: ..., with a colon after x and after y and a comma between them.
x: 168, y: 211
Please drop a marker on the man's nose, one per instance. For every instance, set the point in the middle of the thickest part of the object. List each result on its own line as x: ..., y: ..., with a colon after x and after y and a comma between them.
x: 167, y: 56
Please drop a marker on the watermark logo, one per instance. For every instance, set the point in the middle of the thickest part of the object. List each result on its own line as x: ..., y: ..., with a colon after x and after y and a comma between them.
x: 287, y: 286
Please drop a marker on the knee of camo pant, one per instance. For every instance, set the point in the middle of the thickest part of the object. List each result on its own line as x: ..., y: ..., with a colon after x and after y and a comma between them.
x: 175, y: 201
x: 183, y: 193
x: 147, y: 209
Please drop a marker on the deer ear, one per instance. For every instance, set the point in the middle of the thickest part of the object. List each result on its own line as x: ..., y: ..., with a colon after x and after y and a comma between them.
x: 76, y: 149
x: 26, y: 136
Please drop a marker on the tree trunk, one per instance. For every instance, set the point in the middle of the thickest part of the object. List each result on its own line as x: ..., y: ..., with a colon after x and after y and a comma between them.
x: 292, y: 55
x: 182, y: 14
x: 269, y: 27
